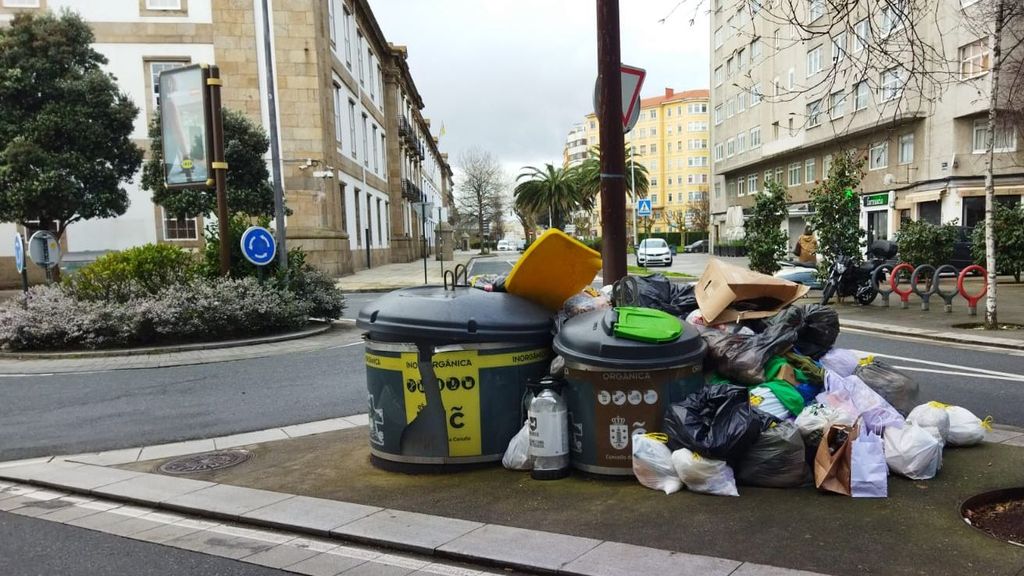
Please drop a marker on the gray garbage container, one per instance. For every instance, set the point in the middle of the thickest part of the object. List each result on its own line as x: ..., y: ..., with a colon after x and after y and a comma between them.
x: 446, y: 372
x: 617, y: 387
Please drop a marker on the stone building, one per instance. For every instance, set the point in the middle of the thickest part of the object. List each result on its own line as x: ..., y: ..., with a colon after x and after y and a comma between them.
x: 351, y: 168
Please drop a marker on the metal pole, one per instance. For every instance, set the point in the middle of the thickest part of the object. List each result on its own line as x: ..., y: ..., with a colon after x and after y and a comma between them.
x: 613, y: 164
x: 632, y: 176
x: 367, y: 236
x: 423, y: 233
x: 275, y: 151
x: 440, y: 241
x: 220, y: 168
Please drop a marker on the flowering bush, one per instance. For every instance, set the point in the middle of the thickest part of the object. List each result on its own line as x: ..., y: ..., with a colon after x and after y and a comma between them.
x: 142, y: 270
x: 201, y: 310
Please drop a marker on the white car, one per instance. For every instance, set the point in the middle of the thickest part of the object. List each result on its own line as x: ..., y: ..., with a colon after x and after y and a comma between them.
x: 506, y: 245
x: 653, y: 251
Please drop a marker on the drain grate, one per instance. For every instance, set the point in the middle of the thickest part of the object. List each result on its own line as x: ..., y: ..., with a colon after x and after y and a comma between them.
x: 205, y: 462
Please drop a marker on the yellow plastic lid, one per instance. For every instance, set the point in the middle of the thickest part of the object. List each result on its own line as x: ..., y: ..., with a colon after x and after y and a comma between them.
x: 553, y: 269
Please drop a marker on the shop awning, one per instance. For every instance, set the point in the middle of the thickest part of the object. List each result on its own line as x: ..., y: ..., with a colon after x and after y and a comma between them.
x: 905, y: 202
x: 1000, y: 191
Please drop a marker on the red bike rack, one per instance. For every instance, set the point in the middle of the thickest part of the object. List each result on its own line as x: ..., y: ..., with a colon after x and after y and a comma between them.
x: 894, y: 284
x: 972, y: 300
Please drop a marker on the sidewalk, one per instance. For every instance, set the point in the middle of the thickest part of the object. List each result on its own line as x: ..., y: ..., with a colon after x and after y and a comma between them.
x: 316, y: 479
x: 394, y: 276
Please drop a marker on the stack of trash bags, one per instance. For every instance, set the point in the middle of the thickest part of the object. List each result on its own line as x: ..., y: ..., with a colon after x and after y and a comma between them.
x: 784, y: 408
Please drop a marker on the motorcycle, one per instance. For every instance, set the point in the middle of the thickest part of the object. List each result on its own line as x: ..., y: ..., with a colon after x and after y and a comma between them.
x: 848, y: 278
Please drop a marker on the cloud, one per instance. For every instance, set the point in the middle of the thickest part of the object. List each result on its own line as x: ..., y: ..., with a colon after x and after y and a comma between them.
x: 512, y: 77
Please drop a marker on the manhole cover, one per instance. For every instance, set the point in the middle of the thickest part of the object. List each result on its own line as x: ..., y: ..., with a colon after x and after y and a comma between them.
x: 205, y: 462
x: 999, y: 513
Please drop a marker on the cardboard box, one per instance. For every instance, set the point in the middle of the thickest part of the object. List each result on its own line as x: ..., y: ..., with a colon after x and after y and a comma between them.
x: 722, y: 285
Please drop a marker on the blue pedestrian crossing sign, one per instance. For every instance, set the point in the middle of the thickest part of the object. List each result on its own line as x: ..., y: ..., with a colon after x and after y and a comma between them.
x: 643, y: 207
x: 258, y: 245
x: 19, y: 253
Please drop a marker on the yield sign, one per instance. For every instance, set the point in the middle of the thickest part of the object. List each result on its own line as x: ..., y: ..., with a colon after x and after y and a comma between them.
x: 632, y: 80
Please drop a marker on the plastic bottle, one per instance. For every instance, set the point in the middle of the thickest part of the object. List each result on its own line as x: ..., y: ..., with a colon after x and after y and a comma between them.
x: 549, y: 432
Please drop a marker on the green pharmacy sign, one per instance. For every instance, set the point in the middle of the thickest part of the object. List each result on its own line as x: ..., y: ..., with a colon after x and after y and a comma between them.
x: 881, y: 199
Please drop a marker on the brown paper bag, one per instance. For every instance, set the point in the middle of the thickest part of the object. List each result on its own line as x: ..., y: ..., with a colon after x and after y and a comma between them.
x: 832, y: 470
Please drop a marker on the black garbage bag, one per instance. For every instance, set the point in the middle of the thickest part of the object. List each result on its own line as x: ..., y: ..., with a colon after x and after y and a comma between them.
x: 817, y: 327
x: 776, y: 460
x: 658, y: 292
x: 742, y: 358
x: 896, y: 387
x: 716, y: 422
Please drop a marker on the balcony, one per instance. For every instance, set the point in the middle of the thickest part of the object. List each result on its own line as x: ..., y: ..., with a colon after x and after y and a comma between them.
x: 410, y: 191
x: 405, y: 130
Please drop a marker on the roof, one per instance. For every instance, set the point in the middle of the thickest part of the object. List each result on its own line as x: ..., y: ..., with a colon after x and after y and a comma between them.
x: 703, y: 94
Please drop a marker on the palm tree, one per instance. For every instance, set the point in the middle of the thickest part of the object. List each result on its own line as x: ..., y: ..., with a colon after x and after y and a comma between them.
x: 590, y: 174
x: 551, y: 190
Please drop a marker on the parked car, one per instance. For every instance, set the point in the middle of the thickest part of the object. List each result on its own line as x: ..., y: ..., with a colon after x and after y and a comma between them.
x: 653, y: 251
x: 800, y: 273
x: 506, y: 245
x: 698, y: 246
x: 962, y: 248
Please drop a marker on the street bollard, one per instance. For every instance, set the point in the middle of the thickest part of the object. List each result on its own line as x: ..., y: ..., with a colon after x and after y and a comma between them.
x: 876, y: 280
x: 947, y: 297
x: 932, y: 284
x: 972, y: 301
x: 894, y: 284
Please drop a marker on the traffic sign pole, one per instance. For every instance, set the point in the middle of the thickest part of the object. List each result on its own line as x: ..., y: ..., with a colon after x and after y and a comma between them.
x: 220, y: 169
x: 613, y: 164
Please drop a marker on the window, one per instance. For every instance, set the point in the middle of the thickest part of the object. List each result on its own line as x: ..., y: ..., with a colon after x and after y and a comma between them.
x: 860, y: 95
x: 700, y: 108
x: 697, y: 127
x: 838, y: 47
x: 755, y: 94
x: 837, y: 104
x: 332, y: 19
x: 813, y: 61
x: 815, y: 9
x: 718, y: 38
x: 741, y: 59
x: 654, y: 181
x: 861, y: 35
x: 814, y: 114
x: 730, y: 107
x: 730, y: 147
x: 643, y: 149
x: 1005, y: 138
x: 741, y: 102
x: 778, y: 176
x: 366, y: 151
x: 718, y: 153
x: 809, y: 172
x: 741, y: 186
x: 718, y: 115
x: 752, y: 184
x: 776, y: 86
x: 654, y: 115
x: 376, y: 159
x: 668, y: 113
x: 756, y: 49
x: 767, y: 177
x: 826, y: 165
x: 906, y: 153
x: 359, y: 54
x: 792, y: 79
x: 654, y: 131
x: 373, y: 80
x: 776, y: 36
x: 670, y: 197
x: 892, y: 18
x: 974, y: 59
x: 696, y: 162
x: 155, y: 68
x: 337, y: 111
x: 741, y: 142
x: 654, y: 148
x: 654, y: 198
x: 346, y: 33
x: 593, y: 125
x: 730, y: 68
x: 352, y: 127
x: 718, y: 189
x: 892, y: 84
x: 179, y: 228
x: 795, y: 174
x: 150, y: 4
x: 878, y: 156
x: 755, y: 137
x: 643, y: 132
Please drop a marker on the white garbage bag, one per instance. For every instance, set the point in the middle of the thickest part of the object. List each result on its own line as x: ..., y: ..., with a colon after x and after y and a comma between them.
x: 517, y: 455
x: 853, y: 395
x: 815, y: 419
x: 841, y: 361
x: 703, y: 474
x: 762, y: 398
x: 933, y: 418
x: 869, y: 473
x: 652, y: 464
x: 966, y: 429
x: 913, y: 452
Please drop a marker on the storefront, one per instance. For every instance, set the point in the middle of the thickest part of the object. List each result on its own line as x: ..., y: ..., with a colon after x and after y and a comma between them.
x: 876, y: 216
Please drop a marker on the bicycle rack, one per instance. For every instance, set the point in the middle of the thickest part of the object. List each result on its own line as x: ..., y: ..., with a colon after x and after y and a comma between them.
x: 894, y: 284
x: 972, y: 300
x: 878, y: 283
x: 947, y: 297
x: 932, y: 284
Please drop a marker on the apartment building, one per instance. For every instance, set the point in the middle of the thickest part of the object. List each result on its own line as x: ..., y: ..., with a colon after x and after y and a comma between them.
x: 671, y: 139
x: 784, y: 102
x: 576, y: 148
x: 357, y: 156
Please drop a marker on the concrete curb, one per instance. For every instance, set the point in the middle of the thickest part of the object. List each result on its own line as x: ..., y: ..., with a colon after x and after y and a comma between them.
x: 314, y: 331
x: 954, y: 337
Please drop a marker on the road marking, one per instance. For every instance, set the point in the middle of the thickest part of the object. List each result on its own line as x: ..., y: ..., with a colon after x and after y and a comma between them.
x: 25, y: 375
x: 933, y: 342
x: 942, y: 365
x: 968, y: 374
x: 345, y: 345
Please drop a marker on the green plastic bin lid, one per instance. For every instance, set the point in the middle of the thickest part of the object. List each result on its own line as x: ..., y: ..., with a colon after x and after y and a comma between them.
x: 647, y: 325
x: 593, y: 339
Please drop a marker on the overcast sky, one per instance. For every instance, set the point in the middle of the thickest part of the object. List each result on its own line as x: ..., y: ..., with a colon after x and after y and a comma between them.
x: 512, y: 76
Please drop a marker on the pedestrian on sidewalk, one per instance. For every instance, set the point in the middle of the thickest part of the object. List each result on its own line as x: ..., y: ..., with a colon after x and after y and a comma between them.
x: 806, y: 249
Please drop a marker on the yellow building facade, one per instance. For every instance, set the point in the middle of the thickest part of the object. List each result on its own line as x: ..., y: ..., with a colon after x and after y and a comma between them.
x: 671, y: 140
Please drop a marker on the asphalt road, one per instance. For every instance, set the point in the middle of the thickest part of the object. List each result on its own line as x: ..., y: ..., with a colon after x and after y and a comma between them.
x: 49, y: 415
x: 30, y: 547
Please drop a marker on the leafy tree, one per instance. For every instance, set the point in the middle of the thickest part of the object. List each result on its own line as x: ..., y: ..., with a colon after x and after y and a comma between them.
x: 552, y: 190
x: 1008, y: 231
x: 65, y: 127
x: 925, y: 243
x: 248, y: 180
x: 836, y: 205
x: 766, y: 240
